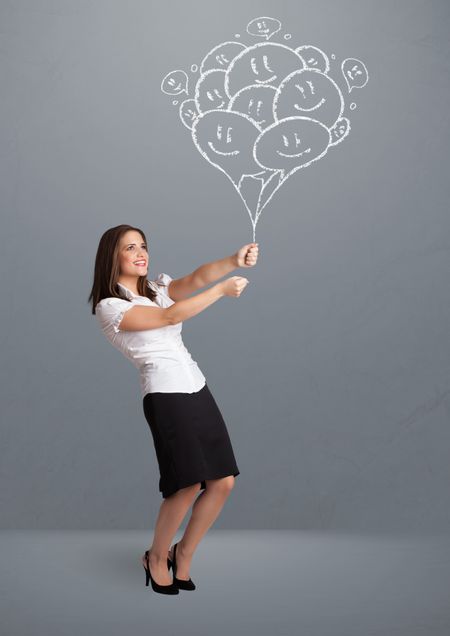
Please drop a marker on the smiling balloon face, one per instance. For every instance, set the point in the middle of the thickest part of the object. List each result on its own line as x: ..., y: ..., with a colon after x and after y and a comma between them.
x: 292, y: 143
x: 340, y: 131
x: 314, y: 58
x: 210, y: 92
x: 188, y: 113
x: 226, y: 139
x: 262, y: 64
x: 256, y: 102
x: 309, y: 93
x: 220, y: 56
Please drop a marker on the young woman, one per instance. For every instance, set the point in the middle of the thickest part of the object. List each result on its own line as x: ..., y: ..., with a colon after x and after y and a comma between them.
x: 143, y: 319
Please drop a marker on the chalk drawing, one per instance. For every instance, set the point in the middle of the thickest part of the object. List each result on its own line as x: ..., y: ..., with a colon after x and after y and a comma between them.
x: 263, y: 27
x: 175, y: 82
x: 189, y: 112
x: 261, y: 112
x: 210, y: 91
x: 314, y: 58
x: 339, y: 131
x: 355, y: 73
x: 221, y: 55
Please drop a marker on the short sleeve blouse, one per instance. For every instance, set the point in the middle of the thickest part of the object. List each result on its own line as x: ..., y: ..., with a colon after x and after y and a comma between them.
x: 164, y: 363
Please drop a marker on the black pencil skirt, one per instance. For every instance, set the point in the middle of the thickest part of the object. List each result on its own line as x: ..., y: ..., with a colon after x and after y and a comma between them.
x: 190, y: 438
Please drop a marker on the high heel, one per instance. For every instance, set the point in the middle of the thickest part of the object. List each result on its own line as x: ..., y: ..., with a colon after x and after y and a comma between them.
x: 162, y: 589
x: 182, y: 584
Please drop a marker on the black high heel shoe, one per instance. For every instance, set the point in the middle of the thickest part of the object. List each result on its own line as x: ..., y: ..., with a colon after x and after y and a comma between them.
x: 183, y: 585
x: 162, y: 589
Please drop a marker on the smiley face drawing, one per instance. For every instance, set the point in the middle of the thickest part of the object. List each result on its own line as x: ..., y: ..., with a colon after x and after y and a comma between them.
x: 256, y: 102
x: 174, y: 83
x: 210, y: 92
x: 291, y: 143
x: 266, y: 63
x: 226, y: 139
x: 188, y: 113
x: 220, y: 56
x: 314, y: 57
x: 309, y: 93
x: 340, y: 131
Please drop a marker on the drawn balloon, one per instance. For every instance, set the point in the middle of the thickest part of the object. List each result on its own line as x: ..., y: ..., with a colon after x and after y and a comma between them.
x: 262, y: 112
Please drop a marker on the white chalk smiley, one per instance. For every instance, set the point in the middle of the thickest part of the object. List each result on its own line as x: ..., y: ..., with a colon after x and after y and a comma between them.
x: 262, y: 64
x: 309, y: 92
x: 297, y: 142
x: 228, y: 153
x: 210, y: 92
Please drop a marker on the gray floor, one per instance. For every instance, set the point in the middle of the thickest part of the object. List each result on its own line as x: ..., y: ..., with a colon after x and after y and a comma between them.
x: 274, y: 583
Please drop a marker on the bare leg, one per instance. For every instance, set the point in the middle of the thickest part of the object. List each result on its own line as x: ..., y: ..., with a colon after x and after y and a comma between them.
x: 171, y: 513
x: 205, y: 511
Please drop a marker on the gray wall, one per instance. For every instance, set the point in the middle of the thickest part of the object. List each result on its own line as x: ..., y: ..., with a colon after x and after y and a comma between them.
x: 333, y: 368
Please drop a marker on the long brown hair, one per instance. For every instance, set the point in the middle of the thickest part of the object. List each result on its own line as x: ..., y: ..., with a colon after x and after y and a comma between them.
x: 107, y: 268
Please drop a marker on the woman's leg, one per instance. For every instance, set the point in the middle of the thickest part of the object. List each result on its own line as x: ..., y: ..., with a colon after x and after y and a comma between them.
x: 171, y: 513
x: 205, y: 511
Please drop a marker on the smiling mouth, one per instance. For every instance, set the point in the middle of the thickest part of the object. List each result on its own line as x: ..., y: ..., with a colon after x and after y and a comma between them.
x: 225, y: 154
x: 299, y: 154
x: 267, y: 80
x: 322, y: 101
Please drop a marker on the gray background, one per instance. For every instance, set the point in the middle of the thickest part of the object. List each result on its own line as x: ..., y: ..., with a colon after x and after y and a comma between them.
x: 332, y: 370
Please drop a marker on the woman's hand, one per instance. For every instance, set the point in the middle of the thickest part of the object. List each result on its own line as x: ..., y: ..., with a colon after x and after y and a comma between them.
x: 247, y: 255
x: 233, y: 286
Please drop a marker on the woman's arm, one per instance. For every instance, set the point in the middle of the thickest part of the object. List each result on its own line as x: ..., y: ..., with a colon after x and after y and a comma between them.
x: 181, y: 288
x: 141, y: 317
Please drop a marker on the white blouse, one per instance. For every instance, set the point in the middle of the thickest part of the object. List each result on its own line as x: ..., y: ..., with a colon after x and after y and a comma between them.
x: 164, y: 363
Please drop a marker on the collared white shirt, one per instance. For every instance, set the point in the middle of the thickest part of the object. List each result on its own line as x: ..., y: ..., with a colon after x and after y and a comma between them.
x: 164, y: 363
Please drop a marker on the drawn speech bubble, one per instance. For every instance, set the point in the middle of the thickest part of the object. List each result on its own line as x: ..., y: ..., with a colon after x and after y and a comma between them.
x: 355, y: 73
x: 263, y: 27
x: 174, y: 83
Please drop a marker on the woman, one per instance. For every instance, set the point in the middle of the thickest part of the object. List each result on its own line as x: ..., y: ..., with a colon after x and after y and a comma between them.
x: 143, y: 319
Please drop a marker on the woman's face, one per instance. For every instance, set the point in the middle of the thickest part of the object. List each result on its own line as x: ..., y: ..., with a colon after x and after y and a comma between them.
x: 133, y: 255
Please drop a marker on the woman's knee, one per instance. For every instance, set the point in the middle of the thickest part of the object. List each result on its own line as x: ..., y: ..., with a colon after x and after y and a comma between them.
x: 223, y: 485
x: 188, y: 492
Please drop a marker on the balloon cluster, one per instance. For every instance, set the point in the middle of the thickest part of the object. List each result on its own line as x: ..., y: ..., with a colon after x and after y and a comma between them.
x: 261, y: 112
